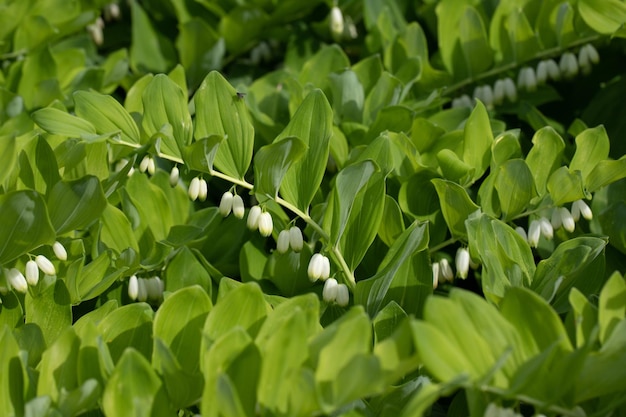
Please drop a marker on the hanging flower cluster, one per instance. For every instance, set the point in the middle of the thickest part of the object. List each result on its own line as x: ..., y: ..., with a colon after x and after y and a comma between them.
x: 19, y: 281
x: 145, y: 289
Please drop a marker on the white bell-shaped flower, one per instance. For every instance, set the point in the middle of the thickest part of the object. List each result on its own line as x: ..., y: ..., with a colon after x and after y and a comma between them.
x: 151, y: 166
x: 555, y: 219
x: 239, y: 209
x: 194, y: 188
x: 45, y: 265
x: 282, y: 243
x: 329, y: 294
x: 546, y: 228
x: 534, y: 233
x: 17, y: 280
x: 143, y: 165
x: 174, y: 176
x: 32, y: 273
x: 462, y: 262
x: 226, y: 203
x: 142, y: 290
x: 510, y: 90
x: 203, y: 190
x: 542, y: 72
x: 316, y: 267
x: 435, y: 267
x: 133, y: 287
x: 568, y: 65
x: 295, y: 239
x: 445, y: 270
x: 580, y: 207
x: 567, y: 220
x: 498, y: 91
x: 554, y: 72
x: 59, y: 251
x: 253, y: 217
x: 265, y: 224
x: 336, y: 22
x: 343, y: 295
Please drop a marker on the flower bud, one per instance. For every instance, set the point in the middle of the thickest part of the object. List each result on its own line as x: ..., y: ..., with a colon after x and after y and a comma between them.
x: 568, y: 65
x: 567, y: 220
x: 265, y: 224
x: 17, y: 280
x: 542, y: 72
x: 282, y: 244
x: 95, y: 31
x: 594, y: 57
x: 226, y: 204
x: 336, y: 22
x: 526, y: 79
x: 295, y: 239
x: 151, y: 166
x: 45, y: 265
x: 583, y: 60
x: 435, y: 267
x: 59, y: 251
x: 343, y: 295
x: 316, y: 267
x: 329, y: 294
x: 203, y: 190
x: 498, y: 92
x: 154, y: 288
x: 142, y: 290
x: 143, y: 166
x: 520, y: 231
x: 133, y: 287
x: 325, y: 268
x: 462, y: 262
x: 174, y: 176
x: 487, y: 96
x: 253, y: 217
x: 112, y: 11
x: 555, y: 219
x: 546, y: 228
x: 194, y: 188
x: 32, y: 273
x: 446, y: 270
x: 553, y: 70
x: 238, y: 208
x: 580, y: 207
x: 510, y: 91
x: 534, y: 233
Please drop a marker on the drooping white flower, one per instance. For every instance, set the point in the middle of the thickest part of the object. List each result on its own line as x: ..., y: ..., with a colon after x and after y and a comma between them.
x: 133, y: 287
x: 319, y: 267
x: 510, y: 91
x: 203, y: 190
x: 336, y: 22
x: 154, y: 288
x: 59, y: 251
x: 32, y: 273
x: 542, y: 72
x: 580, y: 207
x: 253, y: 217
x: 534, y: 233
x: 554, y: 72
x: 594, y: 57
x: 45, y: 265
x: 583, y: 60
x: 498, y: 91
x: 174, y: 176
x: 238, y: 208
x: 546, y: 228
x: 265, y: 224
x: 329, y: 293
x: 520, y: 231
x: 435, y: 267
x: 445, y: 270
x: 226, y: 203
x: 282, y: 243
x: 526, y: 79
x: 142, y: 290
x: 567, y: 220
x: 143, y: 166
x: 16, y: 280
x: 151, y: 166
x: 568, y: 65
x: 555, y: 219
x: 295, y: 239
x: 194, y: 188
x: 462, y: 262
x: 325, y: 268
x: 343, y: 295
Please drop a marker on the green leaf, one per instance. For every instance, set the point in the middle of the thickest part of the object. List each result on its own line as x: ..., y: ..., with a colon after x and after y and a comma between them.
x: 474, y: 43
x: 565, y: 186
x: 272, y: 162
x: 24, y: 224
x: 392, y: 224
x: 603, y: 16
x: 8, y: 155
x: 199, y: 156
x: 166, y: 115
x: 545, y: 156
x: 129, y: 326
x: 76, y: 204
x: 12, y: 384
x: 592, y: 146
x: 134, y: 389
x: 524, y: 43
x: 184, y: 270
x: 151, y: 205
x: 585, y: 317
x: 312, y: 123
x: 578, y: 262
x: 515, y: 186
x: 453, y: 168
x: 477, y: 140
x: 62, y: 123
x: 220, y: 111
x: 456, y: 206
x: 58, y: 366
x: 611, y: 305
x: 605, y: 173
x: 107, y: 115
x: 149, y: 50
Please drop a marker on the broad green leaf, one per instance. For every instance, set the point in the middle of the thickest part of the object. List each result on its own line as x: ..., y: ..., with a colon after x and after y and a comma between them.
x: 524, y: 43
x: 603, y: 16
x: 166, y: 115
x: 135, y: 389
x: 477, y: 140
x: 372, y: 292
x: 272, y: 162
x: 316, y: 70
x: 184, y: 270
x: 456, y: 205
x: 129, y: 326
x: 220, y: 111
x: 611, y: 305
x: 242, y: 26
x: 386, y: 92
x: 12, y: 384
x: 473, y: 42
x: 97, y: 276
x: 449, y: 14
x: 82, y: 399
x: 107, y: 115
x: 312, y: 123
x: 565, y: 186
x: 453, y: 168
x: 76, y: 204
x: 117, y: 233
x: 578, y: 262
x: 151, y: 205
x: 199, y: 156
x: 605, y: 173
x: 149, y: 51
x: 545, y: 156
x: 585, y: 317
x: 24, y: 224
x: 592, y: 146
x: 11, y: 312
x: 392, y: 224
x: 179, y: 322
x: 198, y: 58
x: 348, y: 96
x: 62, y: 123
x: 58, y: 367
x: 8, y: 155
x: 515, y: 186
x: 505, y: 147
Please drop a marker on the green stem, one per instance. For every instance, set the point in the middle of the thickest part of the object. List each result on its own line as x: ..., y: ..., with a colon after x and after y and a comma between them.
x: 534, y: 401
x: 442, y: 245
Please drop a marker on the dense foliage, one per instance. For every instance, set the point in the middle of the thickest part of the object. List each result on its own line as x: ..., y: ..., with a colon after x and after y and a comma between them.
x: 289, y: 208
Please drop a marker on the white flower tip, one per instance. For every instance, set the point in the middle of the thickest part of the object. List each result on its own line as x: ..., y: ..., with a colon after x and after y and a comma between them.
x: 194, y: 188
x: 567, y: 220
x: 238, y: 208
x: 282, y: 243
x: 343, y: 295
x: 151, y: 166
x: 203, y: 191
x: 253, y: 218
x: 435, y: 268
x: 265, y: 224
x: 45, y: 265
x: 174, y: 176
x: 462, y: 262
x: 534, y: 233
x: 59, y: 251
x: 143, y: 166
x: 133, y: 287
x: 316, y: 267
x: 295, y: 239
x: 520, y: 231
x: 17, y: 280
x: 445, y: 270
x: 226, y: 203
x: 32, y: 273
x: 329, y: 294
x: 336, y: 21
x: 546, y: 228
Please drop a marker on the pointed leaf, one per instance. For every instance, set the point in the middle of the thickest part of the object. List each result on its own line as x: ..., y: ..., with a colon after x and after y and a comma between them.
x: 516, y: 187
x: 74, y: 205
x: 456, y: 205
x: 272, y: 162
x: 477, y: 140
